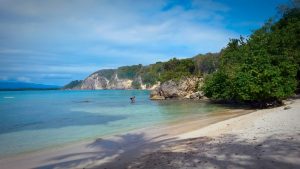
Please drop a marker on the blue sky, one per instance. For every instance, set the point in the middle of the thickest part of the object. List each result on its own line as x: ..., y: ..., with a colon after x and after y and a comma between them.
x: 56, y: 41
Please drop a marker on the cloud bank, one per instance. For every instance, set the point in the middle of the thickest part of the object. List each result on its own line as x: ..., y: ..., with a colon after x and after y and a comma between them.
x: 57, y: 41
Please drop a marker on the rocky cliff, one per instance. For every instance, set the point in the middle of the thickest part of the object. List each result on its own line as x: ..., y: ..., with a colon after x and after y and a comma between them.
x: 149, y: 76
x: 96, y: 81
x: 185, y: 88
x: 100, y: 80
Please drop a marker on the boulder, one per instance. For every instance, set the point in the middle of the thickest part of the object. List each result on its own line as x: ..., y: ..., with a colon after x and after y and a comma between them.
x: 185, y: 88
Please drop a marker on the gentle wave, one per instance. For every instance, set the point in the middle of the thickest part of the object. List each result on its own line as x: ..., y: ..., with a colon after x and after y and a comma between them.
x: 8, y: 97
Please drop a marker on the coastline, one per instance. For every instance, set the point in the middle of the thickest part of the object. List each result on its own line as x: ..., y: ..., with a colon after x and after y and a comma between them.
x: 267, y: 138
x: 44, y: 158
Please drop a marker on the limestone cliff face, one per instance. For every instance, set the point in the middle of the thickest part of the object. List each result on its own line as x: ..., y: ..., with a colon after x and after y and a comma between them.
x: 97, y: 81
x: 116, y: 83
x: 186, y: 88
x: 94, y: 82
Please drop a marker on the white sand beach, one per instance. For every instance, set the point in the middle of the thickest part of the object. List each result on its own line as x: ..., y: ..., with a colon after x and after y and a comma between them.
x: 268, y: 138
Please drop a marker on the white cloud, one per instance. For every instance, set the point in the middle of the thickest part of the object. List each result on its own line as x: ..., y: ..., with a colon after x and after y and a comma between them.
x: 56, y: 76
x: 23, y: 79
x: 126, y: 22
x: 63, y: 37
x: 25, y: 52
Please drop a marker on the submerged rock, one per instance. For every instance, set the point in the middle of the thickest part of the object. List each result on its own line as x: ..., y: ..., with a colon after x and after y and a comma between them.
x: 157, y: 97
x: 196, y: 95
x: 185, y: 88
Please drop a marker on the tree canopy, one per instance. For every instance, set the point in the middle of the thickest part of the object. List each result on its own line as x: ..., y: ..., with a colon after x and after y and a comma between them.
x: 262, y: 68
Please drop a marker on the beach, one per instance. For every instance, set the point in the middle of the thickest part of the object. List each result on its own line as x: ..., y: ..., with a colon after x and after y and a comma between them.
x: 161, y: 84
x: 268, y: 138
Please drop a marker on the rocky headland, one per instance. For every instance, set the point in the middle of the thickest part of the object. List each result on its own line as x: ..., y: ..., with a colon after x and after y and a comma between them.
x: 100, y: 81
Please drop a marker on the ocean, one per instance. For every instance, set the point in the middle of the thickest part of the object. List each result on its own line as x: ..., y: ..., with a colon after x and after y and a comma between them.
x: 36, y: 120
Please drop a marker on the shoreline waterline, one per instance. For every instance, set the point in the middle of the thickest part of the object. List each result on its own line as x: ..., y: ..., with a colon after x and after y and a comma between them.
x: 161, y: 131
x: 175, y: 127
x: 32, y: 121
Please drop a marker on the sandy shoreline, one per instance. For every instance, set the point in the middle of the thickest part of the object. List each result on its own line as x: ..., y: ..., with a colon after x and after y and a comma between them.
x: 267, y: 138
x: 101, y: 150
x: 240, y: 140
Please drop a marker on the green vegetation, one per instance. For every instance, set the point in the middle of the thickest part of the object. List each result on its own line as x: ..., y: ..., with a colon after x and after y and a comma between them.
x: 107, y: 73
x: 206, y: 64
x: 150, y: 74
x: 285, y: 39
x: 129, y: 72
x: 160, y: 71
x: 72, y: 84
x: 262, y: 69
x: 176, y: 69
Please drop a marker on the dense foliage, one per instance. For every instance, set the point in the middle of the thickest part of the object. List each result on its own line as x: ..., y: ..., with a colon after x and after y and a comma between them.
x: 107, y: 73
x: 286, y: 36
x: 261, y: 69
x: 128, y: 72
x: 206, y: 64
x: 176, y: 69
x: 150, y: 74
x: 72, y: 84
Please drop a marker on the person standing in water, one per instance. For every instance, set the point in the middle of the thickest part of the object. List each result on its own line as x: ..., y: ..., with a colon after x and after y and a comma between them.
x: 132, y: 99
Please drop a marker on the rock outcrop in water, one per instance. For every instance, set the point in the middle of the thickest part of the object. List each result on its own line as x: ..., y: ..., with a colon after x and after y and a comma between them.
x: 186, y: 88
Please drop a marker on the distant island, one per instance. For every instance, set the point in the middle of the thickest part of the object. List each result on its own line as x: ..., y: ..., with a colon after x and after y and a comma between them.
x: 21, y: 86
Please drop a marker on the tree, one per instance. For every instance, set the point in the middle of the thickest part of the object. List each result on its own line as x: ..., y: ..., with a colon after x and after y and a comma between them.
x: 176, y: 69
x: 285, y: 37
x: 208, y: 63
x: 261, y: 69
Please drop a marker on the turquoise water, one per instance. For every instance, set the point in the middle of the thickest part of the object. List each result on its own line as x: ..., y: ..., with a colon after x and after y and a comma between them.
x: 33, y: 120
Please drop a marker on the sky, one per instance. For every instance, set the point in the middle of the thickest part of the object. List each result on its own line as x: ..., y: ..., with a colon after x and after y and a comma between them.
x: 56, y: 41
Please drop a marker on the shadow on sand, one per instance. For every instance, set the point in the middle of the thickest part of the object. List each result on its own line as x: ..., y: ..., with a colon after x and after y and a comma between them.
x: 227, y: 151
x: 106, y: 153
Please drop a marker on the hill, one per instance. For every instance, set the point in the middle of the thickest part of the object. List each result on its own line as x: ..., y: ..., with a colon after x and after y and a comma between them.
x: 149, y: 76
